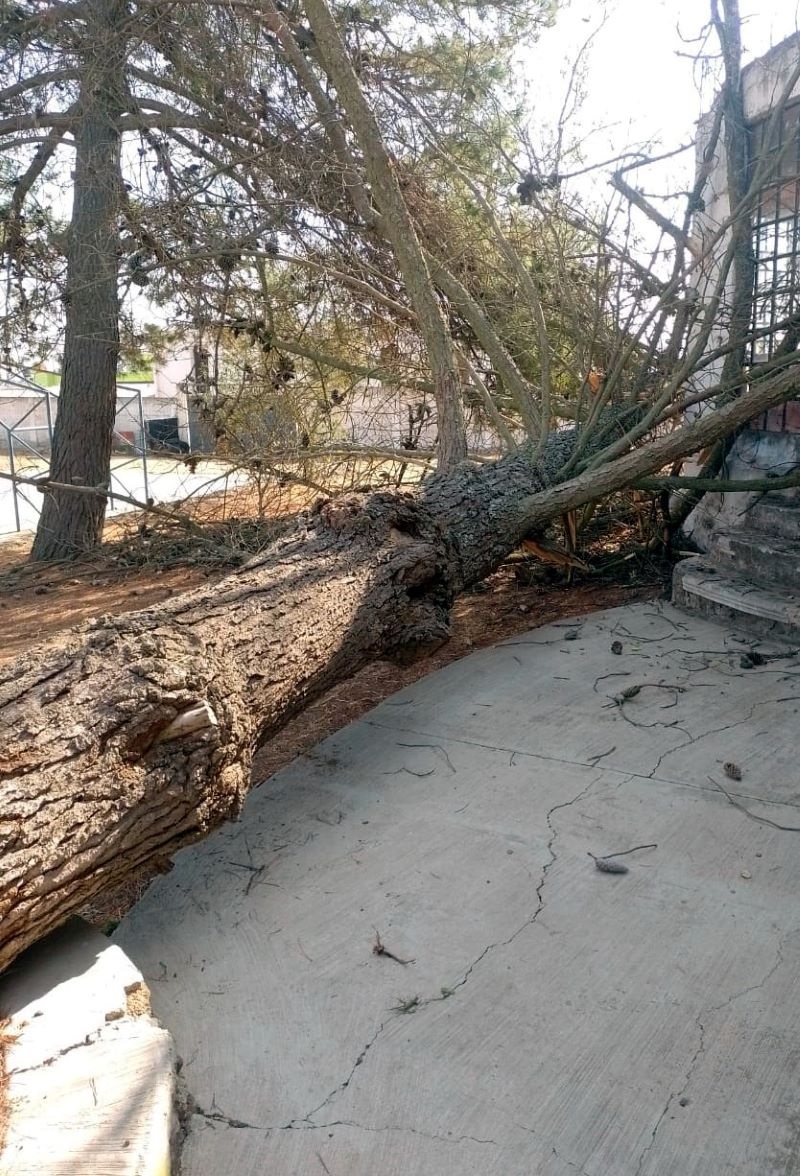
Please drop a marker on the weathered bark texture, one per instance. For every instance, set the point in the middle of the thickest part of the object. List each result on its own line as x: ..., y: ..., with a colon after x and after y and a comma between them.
x: 72, y: 523
x: 135, y: 737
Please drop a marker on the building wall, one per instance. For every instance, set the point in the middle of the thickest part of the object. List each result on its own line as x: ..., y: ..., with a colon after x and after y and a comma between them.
x: 23, y: 409
x: 772, y: 444
x: 26, y: 414
x: 763, y: 82
x: 170, y: 380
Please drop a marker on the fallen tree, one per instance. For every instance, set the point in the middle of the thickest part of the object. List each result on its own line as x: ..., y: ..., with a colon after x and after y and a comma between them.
x: 135, y: 736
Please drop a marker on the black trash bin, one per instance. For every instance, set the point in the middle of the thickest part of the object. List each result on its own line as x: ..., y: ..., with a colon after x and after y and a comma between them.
x: 162, y: 435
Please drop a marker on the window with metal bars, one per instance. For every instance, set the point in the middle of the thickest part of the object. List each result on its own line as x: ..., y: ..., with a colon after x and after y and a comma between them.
x: 775, y: 156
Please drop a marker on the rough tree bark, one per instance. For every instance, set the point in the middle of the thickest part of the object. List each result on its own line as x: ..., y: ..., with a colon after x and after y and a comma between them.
x: 135, y: 736
x: 82, y: 439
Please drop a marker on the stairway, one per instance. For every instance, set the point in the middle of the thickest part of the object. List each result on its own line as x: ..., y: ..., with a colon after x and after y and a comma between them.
x: 750, y: 576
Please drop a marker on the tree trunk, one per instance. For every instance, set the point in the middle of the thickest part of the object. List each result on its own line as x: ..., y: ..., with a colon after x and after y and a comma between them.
x: 82, y: 438
x: 742, y: 285
x: 135, y: 737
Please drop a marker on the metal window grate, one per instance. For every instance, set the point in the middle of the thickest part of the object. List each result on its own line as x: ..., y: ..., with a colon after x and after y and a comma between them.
x: 775, y: 155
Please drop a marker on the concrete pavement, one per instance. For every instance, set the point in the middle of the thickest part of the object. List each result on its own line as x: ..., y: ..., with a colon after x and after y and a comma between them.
x: 541, y: 1017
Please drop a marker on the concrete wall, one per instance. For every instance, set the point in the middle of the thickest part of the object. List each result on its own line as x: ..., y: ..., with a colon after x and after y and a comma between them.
x: 26, y: 413
x: 170, y: 380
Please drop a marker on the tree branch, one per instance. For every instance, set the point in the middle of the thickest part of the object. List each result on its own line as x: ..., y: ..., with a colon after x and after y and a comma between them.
x: 400, y: 231
x: 654, y: 455
x: 36, y: 81
x: 720, y: 485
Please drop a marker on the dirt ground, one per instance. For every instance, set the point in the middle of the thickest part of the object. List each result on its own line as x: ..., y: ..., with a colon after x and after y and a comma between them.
x: 39, y: 601
x: 135, y: 568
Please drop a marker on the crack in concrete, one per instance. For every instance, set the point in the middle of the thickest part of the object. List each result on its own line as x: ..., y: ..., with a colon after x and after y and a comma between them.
x: 627, y: 774
x: 752, y: 987
x: 342, y: 1085
x: 392, y: 1127
x: 90, y: 1039
x: 700, y: 1022
x: 651, y: 775
x: 701, y: 1048
x: 550, y: 759
x: 576, y: 1167
x: 451, y: 989
x: 539, y: 898
x: 305, y: 1125
x: 228, y: 1120
x: 570, y: 1163
x: 693, y: 739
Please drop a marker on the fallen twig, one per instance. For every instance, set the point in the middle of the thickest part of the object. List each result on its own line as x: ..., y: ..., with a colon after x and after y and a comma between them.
x: 606, y: 865
x: 631, y: 691
x: 432, y: 747
x: 623, y: 852
x: 379, y: 948
x: 43, y: 484
x: 753, y: 816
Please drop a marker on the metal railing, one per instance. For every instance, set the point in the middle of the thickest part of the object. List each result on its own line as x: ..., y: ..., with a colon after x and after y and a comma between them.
x: 24, y: 440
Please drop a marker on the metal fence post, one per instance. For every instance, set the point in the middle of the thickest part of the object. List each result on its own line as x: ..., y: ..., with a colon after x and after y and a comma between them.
x: 143, y: 444
x: 12, y: 469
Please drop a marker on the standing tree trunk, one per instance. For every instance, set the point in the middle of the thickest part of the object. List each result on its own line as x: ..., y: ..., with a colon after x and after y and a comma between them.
x: 135, y: 736
x: 82, y: 438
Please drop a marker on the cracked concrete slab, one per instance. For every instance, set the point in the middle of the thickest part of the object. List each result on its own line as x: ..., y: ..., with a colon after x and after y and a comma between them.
x: 559, y: 1019
x: 91, y: 1076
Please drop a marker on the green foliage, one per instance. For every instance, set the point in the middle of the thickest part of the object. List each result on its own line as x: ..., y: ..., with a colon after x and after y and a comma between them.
x: 242, y: 177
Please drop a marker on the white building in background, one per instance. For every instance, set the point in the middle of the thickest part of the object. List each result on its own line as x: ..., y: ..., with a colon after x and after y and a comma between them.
x: 150, y: 413
x: 374, y: 414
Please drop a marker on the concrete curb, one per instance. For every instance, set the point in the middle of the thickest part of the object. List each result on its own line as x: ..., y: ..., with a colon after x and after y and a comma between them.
x: 92, y: 1077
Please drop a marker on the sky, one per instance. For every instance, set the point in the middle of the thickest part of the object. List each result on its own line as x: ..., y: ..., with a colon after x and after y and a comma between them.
x: 637, y: 83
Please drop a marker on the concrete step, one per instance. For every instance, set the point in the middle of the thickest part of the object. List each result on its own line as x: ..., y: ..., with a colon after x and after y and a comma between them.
x: 764, y: 559
x: 91, y: 1076
x: 700, y: 586
x: 776, y: 515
